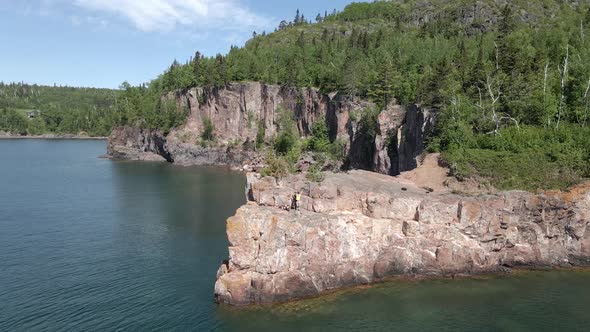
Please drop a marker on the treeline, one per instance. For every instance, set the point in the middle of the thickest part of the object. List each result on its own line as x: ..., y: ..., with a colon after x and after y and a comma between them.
x: 488, y: 68
x: 55, y: 109
x: 368, y: 51
x: 509, y: 78
x: 35, y: 110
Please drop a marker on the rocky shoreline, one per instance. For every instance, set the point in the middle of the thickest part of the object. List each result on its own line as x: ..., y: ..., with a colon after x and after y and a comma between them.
x: 239, y: 110
x: 357, y: 227
x: 4, y: 135
x: 360, y: 228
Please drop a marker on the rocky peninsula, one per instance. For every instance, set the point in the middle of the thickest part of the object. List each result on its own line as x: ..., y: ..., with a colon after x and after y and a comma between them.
x: 359, y: 227
x: 356, y: 227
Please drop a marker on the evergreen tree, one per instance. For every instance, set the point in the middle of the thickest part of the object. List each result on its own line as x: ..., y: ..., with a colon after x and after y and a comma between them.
x: 382, y: 90
x: 301, y: 40
x: 505, y: 56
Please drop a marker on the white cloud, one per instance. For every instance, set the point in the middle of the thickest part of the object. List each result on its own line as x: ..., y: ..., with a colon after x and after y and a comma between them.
x: 165, y: 15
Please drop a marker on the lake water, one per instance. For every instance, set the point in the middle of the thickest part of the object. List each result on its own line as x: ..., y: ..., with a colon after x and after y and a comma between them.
x: 87, y: 244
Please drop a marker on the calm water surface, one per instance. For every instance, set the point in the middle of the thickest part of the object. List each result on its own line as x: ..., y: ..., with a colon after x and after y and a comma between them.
x: 87, y: 244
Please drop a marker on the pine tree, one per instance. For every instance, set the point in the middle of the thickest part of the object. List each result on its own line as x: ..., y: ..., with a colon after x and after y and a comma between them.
x: 506, y: 58
x: 382, y: 90
x: 197, y: 69
x: 301, y: 40
x: 325, y: 36
x: 351, y: 77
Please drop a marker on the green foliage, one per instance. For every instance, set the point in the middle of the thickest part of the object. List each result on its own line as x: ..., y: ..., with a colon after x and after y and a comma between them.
x: 336, y: 150
x: 365, y: 136
x: 528, y: 158
x: 13, y: 122
x: 315, y: 174
x: 146, y: 107
x: 287, y: 137
x: 285, y: 142
x: 65, y: 110
x: 486, y: 78
x: 260, y: 134
x: 208, y: 133
x: 320, y: 140
x: 275, y: 166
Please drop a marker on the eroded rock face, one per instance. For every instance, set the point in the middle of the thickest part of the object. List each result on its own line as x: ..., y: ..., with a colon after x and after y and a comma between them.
x: 360, y: 227
x: 239, y: 110
x: 400, y: 138
x: 128, y: 143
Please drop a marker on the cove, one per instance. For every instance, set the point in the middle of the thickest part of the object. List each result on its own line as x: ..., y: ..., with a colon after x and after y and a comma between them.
x: 87, y: 244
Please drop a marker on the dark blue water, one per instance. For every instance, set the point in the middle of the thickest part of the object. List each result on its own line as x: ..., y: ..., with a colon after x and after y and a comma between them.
x: 88, y: 244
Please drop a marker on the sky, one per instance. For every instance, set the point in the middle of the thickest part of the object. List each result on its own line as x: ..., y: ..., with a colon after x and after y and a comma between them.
x: 102, y: 43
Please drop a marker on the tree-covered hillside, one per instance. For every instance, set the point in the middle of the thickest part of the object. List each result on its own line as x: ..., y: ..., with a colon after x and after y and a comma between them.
x: 56, y: 109
x: 511, y: 78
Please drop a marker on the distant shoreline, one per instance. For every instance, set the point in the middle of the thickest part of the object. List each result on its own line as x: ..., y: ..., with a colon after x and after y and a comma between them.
x: 50, y: 136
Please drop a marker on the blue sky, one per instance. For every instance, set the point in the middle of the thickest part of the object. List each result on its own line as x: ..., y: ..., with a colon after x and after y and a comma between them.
x: 101, y: 43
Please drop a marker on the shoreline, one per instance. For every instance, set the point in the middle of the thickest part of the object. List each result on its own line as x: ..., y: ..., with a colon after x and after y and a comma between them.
x: 336, y: 292
x: 52, y: 136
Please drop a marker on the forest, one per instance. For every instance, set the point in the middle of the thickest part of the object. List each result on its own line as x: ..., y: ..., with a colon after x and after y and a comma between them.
x: 511, y: 80
x: 61, y: 110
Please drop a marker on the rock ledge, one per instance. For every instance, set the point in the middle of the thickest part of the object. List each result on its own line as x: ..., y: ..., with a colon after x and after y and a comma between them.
x: 360, y: 227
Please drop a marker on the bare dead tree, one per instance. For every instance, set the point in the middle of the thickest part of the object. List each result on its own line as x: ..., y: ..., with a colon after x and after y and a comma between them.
x: 563, y: 71
x: 494, y: 97
x: 497, y: 56
x: 586, y: 104
x: 545, y: 94
x: 497, y: 118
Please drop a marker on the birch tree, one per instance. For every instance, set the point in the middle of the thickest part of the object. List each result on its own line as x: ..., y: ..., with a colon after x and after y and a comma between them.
x: 563, y: 74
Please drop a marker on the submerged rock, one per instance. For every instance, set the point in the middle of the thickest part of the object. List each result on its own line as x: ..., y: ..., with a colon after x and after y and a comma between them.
x: 361, y: 227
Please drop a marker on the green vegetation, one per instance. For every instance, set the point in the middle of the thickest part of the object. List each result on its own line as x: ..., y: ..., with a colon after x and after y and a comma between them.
x: 208, y: 130
x: 526, y: 158
x: 68, y: 110
x: 513, y: 96
x: 64, y: 110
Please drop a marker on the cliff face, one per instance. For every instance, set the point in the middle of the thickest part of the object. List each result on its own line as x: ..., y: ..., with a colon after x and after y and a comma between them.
x: 238, y: 111
x: 361, y: 227
x: 128, y: 143
x: 400, y: 138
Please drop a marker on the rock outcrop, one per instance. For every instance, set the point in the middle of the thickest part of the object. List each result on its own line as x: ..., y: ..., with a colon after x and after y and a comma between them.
x: 239, y: 110
x: 129, y: 143
x: 400, y: 138
x: 361, y: 227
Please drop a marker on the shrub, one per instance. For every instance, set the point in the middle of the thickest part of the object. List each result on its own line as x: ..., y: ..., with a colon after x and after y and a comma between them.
x: 527, y: 158
x: 315, y: 174
x: 275, y: 166
x: 208, y: 133
x: 284, y: 142
x: 260, y: 134
x: 319, y: 141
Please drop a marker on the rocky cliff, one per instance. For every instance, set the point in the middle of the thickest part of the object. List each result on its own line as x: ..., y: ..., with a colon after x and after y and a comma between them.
x: 239, y: 110
x: 129, y: 143
x: 361, y: 227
